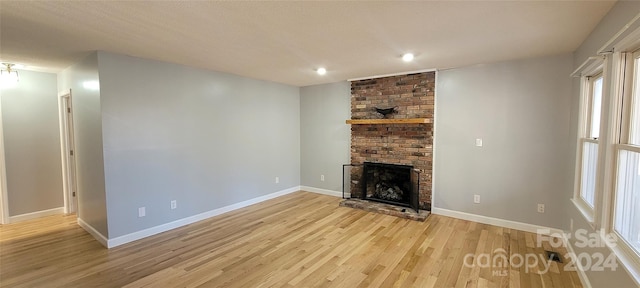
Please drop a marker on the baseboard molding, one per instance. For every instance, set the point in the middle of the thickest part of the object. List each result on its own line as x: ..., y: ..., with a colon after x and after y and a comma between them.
x: 321, y: 191
x: 584, y: 280
x: 117, y: 241
x: 34, y: 215
x: 496, y: 221
x: 97, y: 235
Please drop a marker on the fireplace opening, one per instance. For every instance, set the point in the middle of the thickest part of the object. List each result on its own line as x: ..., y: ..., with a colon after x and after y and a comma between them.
x: 390, y: 183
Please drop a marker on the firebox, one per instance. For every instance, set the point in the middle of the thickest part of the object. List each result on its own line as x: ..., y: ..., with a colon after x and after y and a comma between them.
x: 391, y: 184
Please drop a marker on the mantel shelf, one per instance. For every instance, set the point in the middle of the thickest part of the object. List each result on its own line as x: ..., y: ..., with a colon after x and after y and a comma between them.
x: 389, y: 121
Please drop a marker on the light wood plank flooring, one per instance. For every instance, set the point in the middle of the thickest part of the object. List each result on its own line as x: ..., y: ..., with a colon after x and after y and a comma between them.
x: 298, y: 240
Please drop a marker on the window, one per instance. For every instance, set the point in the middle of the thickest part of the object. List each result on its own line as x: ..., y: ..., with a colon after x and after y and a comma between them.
x: 588, y: 142
x: 595, y: 98
x: 616, y: 205
x: 627, y: 204
x: 626, y: 216
x: 588, y: 177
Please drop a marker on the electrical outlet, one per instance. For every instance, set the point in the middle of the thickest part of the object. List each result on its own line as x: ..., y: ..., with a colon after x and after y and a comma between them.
x: 277, y: 180
x: 174, y: 204
x: 476, y: 199
x: 540, y: 208
x: 321, y: 177
x: 142, y: 212
x: 479, y: 142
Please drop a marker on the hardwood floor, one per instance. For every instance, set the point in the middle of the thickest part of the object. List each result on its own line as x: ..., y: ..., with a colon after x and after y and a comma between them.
x: 298, y: 240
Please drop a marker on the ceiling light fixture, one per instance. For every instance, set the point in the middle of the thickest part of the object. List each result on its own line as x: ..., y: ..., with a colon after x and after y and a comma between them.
x: 8, y: 75
x: 407, y: 57
x: 321, y: 71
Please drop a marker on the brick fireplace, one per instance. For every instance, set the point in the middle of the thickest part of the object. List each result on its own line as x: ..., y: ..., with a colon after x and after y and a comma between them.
x: 402, y: 142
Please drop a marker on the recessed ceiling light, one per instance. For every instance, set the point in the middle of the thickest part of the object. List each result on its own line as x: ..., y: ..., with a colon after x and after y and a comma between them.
x: 321, y: 71
x: 407, y: 57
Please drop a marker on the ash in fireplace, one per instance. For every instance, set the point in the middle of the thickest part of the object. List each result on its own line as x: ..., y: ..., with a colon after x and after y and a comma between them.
x: 385, y: 191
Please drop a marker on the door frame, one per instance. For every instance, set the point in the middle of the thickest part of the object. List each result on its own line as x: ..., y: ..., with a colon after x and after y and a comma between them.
x: 69, y: 180
x: 4, y: 201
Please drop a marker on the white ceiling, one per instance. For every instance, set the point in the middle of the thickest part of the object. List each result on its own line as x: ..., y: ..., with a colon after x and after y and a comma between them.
x: 285, y: 41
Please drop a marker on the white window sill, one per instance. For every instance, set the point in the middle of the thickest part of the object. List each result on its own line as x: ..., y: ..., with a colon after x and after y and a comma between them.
x: 628, y: 261
x: 586, y: 212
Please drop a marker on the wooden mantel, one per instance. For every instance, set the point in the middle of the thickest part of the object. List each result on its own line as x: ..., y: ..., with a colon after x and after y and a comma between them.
x: 389, y: 121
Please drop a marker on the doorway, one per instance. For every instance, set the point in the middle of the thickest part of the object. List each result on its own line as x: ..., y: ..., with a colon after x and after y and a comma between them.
x: 68, y: 153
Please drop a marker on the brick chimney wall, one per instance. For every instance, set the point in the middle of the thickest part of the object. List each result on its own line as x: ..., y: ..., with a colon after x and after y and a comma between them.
x: 404, y: 144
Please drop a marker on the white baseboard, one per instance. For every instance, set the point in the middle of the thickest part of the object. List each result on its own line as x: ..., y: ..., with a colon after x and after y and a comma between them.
x: 584, y: 280
x: 496, y: 221
x: 195, y: 218
x: 99, y: 237
x: 321, y: 191
x: 34, y: 215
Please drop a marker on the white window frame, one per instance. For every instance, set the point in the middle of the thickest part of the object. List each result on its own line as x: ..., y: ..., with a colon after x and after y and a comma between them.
x: 592, y: 69
x: 622, y: 89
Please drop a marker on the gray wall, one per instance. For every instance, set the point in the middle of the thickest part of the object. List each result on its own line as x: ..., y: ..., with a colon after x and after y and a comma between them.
x: 92, y: 206
x: 203, y: 138
x: 617, y: 17
x: 324, y: 135
x: 521, y: 111
x: 32, y: 144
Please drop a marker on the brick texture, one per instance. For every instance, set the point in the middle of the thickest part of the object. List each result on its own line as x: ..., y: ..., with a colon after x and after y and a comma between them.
x: 404, y: 144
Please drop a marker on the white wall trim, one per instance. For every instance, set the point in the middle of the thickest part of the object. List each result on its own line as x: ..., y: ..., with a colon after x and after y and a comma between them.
x: 393, y: 74
x: 97, y: 235
x: 497, y: 221
x: 4, y: 200
x: 434, y: 132
x: 584, y: 280
x: 63, y: 150
x: 117, y: 241
x: 321, y: 191
x: 37, y: 214
x: 590, y: 65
